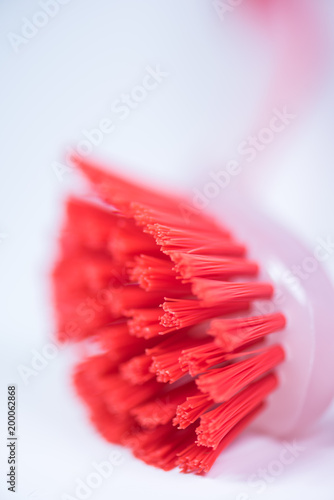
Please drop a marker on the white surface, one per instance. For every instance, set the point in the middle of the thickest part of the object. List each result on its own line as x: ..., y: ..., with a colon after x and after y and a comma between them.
x: 63, y: 81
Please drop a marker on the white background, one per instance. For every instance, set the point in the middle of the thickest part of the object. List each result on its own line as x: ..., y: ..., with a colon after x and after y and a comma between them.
x: 64, y: 80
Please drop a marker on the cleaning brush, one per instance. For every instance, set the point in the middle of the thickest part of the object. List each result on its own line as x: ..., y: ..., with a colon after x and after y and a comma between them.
x: 180, y: 356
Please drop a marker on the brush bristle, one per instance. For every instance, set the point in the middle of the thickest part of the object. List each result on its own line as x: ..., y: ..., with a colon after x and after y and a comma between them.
x: 183, y: 364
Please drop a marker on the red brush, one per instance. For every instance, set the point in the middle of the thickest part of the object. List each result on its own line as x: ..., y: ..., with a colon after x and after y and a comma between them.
x: 184, y: 363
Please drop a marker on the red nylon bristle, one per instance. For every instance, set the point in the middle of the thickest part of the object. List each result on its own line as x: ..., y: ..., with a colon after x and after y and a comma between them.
x: 204, y: 247
x: 145, y: 322
x: 137, y: 369
x: 151, y: 282
x: 202, y: 358
x: 154, y: 413
x: 146, y: 268
x: 119, y: 192
x: 231, y: 334
x: 166, y: 363
x: 93, y: 224
x: 175, y: 341
x: 162, y: 410
x: 81, y: 315
x: 223, y: 383
x: 186, y: 240
x: 118, y: 344
x: 128, y: 241
x: 218, y: 422
x: 213, y: 292
x: 190, y: 410
x: 161, y: 446
x: 148, y: 216
x: 183, y: 313
x: 190, y: 266
x: 121, y: 396
x: 166, y: 355
x: 113, y: 427
x: 84, y: 294
x: 200, y: 459
x: 186, y: 236
x: 142, y: 438
x: 166, y: 367
x: 95, y: 367
x: 198, y: 359
x: 87, y: 271
x: 132, y: 296
x: 98, y: 272
x: 154, y: 274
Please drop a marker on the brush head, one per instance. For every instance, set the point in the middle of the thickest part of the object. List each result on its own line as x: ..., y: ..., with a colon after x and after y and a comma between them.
x: 166, y: 299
